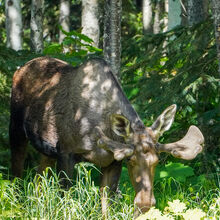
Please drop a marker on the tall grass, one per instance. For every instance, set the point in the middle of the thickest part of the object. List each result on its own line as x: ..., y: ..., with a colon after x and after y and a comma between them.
x: 41, y: 197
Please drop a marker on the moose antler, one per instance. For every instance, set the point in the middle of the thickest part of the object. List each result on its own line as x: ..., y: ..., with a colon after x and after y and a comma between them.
x: 187, y: 148
x: 119, y: 150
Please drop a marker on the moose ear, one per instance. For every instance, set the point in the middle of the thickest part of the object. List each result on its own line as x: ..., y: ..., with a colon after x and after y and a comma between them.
x: 164, y: 121
x: 120, y: 125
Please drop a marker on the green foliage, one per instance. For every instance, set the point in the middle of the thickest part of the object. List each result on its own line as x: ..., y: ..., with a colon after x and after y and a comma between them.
x: 177, y: 171
x: 179, y: 66
x: 41, y: 197
x: 174, y: 210
x: 77, y: 48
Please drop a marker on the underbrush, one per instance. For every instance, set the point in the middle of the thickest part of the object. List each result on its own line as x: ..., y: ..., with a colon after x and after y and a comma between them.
x: 41, y: 197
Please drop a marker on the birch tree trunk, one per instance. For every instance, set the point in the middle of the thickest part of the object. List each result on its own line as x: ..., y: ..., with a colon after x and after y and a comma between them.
x: 13, y: 24
x: 64, y: 19
x: 166, y: 10
x: 216, y: 15
x: 112, y: 34
x: 197, y: 11
x: 36, y: 25
x: 147, y: 16
x: 158, y: 11
x: 90, y: 20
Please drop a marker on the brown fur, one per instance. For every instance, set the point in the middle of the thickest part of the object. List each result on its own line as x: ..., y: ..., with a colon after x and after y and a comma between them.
x: 57, y: 107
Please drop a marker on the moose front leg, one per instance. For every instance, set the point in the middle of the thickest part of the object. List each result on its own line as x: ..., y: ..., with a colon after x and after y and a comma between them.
x: 109, y: 183
x: 45, y: 162
x: 65, y: 168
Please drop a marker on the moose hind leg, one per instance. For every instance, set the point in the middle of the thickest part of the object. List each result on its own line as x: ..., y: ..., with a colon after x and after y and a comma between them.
x: 18, y: 145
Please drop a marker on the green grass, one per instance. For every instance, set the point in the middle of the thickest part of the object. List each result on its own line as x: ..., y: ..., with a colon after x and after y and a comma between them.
x: 41, y: 197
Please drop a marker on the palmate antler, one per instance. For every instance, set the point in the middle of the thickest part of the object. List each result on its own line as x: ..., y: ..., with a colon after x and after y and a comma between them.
x: 187, y: 148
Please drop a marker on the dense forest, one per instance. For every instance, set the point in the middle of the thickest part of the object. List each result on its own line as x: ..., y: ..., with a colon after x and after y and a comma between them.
x: 162, y: 52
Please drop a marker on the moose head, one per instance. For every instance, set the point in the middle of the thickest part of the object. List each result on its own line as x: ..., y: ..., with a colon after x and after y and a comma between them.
x: 141, y: 148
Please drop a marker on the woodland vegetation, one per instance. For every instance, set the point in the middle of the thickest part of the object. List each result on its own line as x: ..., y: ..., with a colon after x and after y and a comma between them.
x: 163, y: 52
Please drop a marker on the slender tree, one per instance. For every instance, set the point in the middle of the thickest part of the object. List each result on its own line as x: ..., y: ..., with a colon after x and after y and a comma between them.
x: 197, y: 11
x: 166, y: 10
x: 157, y: 15
x: 112, y: 34
x: 64, y: 18
x: 36, y: 25
x: 216, y: 15
x: 147, y: 16
x: 13, y: 24
x: 90, y: 20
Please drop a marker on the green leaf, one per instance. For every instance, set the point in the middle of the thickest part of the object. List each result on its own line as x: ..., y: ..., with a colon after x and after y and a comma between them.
x: 178, y: 171
x: 53, y: 49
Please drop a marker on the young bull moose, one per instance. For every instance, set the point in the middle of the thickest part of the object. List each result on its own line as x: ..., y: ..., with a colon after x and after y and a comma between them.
x: 81, y: 114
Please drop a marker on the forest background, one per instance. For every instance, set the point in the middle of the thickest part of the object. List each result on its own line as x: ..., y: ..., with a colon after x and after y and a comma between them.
x: 166, y: 52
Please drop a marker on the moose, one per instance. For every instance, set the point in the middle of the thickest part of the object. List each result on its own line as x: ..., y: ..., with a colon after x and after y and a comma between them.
x: 76, y: 114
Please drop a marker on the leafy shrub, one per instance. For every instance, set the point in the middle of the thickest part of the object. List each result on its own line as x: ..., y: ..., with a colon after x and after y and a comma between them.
x: 179, y: 66
x: 178, y: 171
x: 174, y: 210
x: 74, y: 49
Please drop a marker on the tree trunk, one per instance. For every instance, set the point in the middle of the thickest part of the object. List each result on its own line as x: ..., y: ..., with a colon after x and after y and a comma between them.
x: 216, y: 15
x: 158, y: 11
x: 64, y: 19
x: 90, y: 20
x: 166, y: 10
x: 147, y: 16
x: 13, y: 24
x: 174, y: 15
x: 112, y: 34
x: 197, y: 11
x: 36, y: 25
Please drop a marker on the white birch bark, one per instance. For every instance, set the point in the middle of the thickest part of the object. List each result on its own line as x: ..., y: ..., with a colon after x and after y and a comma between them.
x: 36, y: 25
x: 157, y: 20
x: 90, y: 20
x: 147, y: 16
x: 112, y: 35
x: 166, y: 10
x: 64, y: 19
x: 13, y: 24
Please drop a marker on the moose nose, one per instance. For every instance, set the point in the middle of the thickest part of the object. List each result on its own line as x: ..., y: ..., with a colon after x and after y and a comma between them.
x: 144, y: 201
